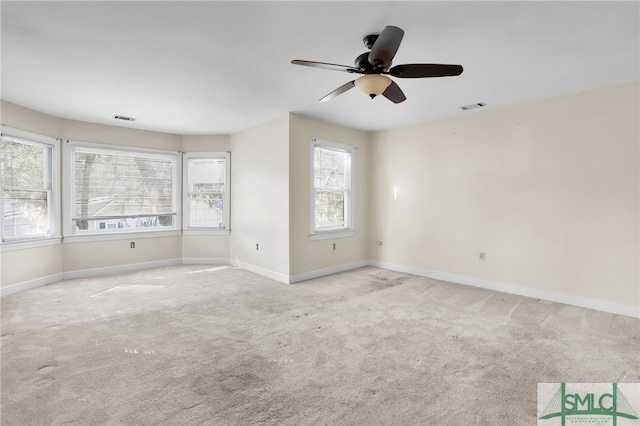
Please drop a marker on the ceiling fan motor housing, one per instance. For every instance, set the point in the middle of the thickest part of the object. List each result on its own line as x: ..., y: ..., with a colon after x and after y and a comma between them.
x: 363, y: 64
x: 370, y: 40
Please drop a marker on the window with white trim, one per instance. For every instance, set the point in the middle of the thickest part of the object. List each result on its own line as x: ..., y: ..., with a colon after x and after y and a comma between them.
x: 119, y: 190
x: 29, y: 186
x: 332, y: 199
x: 206, y: 192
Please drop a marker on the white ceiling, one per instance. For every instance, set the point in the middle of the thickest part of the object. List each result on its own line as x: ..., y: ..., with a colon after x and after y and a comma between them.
x: 220, y: 67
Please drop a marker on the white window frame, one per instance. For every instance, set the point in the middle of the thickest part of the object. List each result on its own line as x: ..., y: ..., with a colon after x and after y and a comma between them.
x: 53, y: 194
x: 187, y: 229
x: 72, y: 235
x: 349, y: 229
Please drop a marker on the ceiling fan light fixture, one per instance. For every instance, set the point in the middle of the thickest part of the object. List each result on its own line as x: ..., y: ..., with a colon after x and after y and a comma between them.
x: 373, y: 84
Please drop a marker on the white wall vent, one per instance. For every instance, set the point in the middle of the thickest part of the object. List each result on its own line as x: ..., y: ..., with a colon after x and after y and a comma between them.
x: 473, y: 106
x: 122, y: 117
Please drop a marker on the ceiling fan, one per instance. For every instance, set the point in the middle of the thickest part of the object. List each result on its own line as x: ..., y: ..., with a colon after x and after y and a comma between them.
x: 376, y: 65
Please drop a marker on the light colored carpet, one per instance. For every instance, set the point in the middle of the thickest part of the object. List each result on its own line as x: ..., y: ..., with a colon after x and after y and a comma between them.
x: 222, y: 346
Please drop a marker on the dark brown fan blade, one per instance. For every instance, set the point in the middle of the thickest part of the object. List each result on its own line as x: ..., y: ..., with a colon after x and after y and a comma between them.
x: 385, y: 47
x: 339, y: 91
x: 324, y: 65
x: 425, y: 70
x: 394, y: 93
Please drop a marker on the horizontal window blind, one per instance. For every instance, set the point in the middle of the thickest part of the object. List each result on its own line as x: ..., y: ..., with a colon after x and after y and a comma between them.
x: 25, y: 165
x: 25, y: 180
x: 206, y: 182
x: 331, y: 171
x: 123, y: 190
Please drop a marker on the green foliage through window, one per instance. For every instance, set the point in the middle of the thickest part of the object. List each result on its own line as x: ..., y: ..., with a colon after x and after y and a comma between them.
x: 25, y: 172
x: 332, y: 187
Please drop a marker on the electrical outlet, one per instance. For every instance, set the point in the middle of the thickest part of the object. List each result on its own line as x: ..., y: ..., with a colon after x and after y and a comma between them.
x: 257, y: 246
x: 481, y: 257
x: 334, y: 246
x: 132, y: 245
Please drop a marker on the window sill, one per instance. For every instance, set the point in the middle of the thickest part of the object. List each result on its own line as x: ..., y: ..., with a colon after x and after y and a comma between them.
x: 331, y: 235
x: 197, y: 232
x: 120, y: 236
x: 28, y: 244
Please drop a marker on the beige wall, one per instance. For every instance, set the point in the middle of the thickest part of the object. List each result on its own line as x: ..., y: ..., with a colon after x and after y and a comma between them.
x: 27, y: 119
x: 104, y: 254
x: 20, y: 266
x: 206, y: 143
x: 112, y: 135
x: 307, y: 256
x: 205, y: 247
x: 260, y: 196
x: 548, y: 189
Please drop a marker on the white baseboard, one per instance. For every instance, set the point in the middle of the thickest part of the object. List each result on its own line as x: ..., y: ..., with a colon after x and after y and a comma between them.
x: 205, y: 261
x: 277, y: 276
x: 86, y: 273
x: 26, y: 285
x: 291, y: 279
x: 94, y: 272
x: 326, y: 271
x: 584, y: 302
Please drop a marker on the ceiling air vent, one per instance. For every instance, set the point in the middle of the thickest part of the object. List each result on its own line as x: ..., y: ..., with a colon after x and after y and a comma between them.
x: 473, y: 106
x: 122, y: 117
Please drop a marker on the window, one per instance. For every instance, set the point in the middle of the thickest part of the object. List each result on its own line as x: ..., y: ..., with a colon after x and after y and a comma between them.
x: 331, y: 189
x: 206, y: 192
x: 116, y: 190
x: 29, y: 186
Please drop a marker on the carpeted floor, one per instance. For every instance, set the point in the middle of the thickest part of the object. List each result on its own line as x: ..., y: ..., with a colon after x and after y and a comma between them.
x: 222, y: 346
